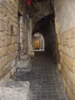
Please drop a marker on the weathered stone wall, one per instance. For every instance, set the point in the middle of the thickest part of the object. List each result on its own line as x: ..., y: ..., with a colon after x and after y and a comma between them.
x: 9, y: 42
x: 65, y: 12
x: 65, y: 39
x: 23, y: 32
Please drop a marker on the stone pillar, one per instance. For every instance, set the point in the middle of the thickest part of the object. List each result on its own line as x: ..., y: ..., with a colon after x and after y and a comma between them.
x: 30, y: 47
x: 57, y: 43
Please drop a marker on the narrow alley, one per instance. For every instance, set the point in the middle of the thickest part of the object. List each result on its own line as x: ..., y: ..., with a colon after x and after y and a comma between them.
x: 44, y: 77
x: 37, y: 49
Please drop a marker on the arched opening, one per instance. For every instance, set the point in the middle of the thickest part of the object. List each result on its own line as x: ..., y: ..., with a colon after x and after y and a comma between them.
x: 38, y: 42
x: 46, y: 26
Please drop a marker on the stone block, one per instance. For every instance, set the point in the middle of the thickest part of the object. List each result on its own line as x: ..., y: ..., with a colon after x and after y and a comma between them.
x: 72, y: 87
x: 0, y: 63
x: 8, y: 40
x: 65, y: 76
x: 13, y: 70
x: 5, y: 12
x: 73, y: 42
x: 4, y: 61
x: 0, y: 52
x: 69, y: 42
x: 2, y: 26
x: 7, y: 77
x: 70, y: 52
x: 16, y: 47
x: 7, y: 21
x: 63, y: 56
x: 2, y: 44
x: 73, y: 52
x: 9, y: 66
x: 1, y: 9
x: 31, y: 53
x: 24, y: 57
x: 14, y: 40
x: 6, y: 33
x: 70, y: 63
x: 70, y: 74
x: 13, y: 63
x: 0, y: 74
x: 16, y: 60
x: 10, y: 74
x: 4, y: 51
x: 14, y: 90
x: 10, y: 57
x: 2, y: 36
x: 12, y: 48
x: 66, y: 50
x: 73, y: 33
x: 70, y: 94
x: 7, y: 26
x: 67, y: 34
x: 15, y: 54
x: 23, y: 64
x: 4, y: 71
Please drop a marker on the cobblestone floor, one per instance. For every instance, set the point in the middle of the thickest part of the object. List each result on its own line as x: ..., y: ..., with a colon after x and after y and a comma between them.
x: 45, y: 79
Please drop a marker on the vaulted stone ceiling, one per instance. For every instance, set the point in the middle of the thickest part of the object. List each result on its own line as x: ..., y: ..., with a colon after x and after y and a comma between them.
x: 36, y: 6
x: 46, y: 6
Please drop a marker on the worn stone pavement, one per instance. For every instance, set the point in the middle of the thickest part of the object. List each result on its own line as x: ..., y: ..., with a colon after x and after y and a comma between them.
x: 45, y: 79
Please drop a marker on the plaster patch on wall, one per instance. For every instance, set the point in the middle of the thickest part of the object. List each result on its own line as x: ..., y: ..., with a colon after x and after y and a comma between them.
x: 65, y: 13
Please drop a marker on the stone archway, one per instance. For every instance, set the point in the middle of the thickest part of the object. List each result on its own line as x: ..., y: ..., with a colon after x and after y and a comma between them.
x: 38, y: 42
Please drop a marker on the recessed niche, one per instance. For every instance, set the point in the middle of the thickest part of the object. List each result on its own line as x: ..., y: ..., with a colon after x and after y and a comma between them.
x: 12, y: 30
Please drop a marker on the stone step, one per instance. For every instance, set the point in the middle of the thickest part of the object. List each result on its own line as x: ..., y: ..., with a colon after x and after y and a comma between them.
x: 23, y: 64
x: 24, y: 57
x: 14, y: 90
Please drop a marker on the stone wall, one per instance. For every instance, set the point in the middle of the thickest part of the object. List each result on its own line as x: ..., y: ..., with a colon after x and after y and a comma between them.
x: 8, y: 37
x: 23, y: 32
x: 65, y: 39
x: 65, y: 12
x: 8, y: 41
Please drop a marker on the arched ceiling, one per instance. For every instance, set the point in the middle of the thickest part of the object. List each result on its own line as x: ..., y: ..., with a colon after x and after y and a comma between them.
x: 43, y: 25
x: 46, y: 6
x: 36, y: 6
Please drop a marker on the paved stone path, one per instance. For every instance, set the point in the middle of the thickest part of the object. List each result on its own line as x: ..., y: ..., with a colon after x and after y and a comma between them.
x: 45, y: 79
